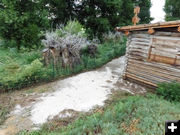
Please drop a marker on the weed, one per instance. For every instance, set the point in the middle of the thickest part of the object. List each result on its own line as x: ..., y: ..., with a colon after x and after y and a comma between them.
x: 170, y: 91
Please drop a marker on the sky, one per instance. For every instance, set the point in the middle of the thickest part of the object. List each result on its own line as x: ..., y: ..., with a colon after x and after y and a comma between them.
x: 157, y: 10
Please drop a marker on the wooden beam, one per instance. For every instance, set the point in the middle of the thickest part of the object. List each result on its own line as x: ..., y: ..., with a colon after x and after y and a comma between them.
x: 126, y: 33
x: 178, y: 29
x: 151, y: 31
x: 146, y: 26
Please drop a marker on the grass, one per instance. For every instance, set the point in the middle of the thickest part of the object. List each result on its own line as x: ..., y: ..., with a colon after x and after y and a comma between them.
x: 3, y: 113
x: 134, y: 115
x: 19, y: 70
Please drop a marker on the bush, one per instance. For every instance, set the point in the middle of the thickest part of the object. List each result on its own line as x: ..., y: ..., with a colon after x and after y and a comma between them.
x: 170, y: 91
x: 74, y: 27
x: 16, y: 76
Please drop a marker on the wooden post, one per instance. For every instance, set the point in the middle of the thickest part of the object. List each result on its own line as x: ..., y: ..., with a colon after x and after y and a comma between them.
x: 136, y: 19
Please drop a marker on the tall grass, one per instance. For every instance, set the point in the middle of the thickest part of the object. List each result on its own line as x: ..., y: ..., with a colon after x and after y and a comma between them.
x: 19, y: 70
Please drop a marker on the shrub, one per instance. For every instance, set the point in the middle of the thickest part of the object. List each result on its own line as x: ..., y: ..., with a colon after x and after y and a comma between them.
x: 74, y: 27
x: 170, y: 91
x: 71, y: 34
x: 16, y: 76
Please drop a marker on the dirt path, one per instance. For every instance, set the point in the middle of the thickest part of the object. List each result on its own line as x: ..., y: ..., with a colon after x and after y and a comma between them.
x: 79, y: 93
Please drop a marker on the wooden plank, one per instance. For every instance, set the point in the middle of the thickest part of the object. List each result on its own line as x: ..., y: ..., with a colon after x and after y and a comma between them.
x: 153, y: 72
x: 147, y: 26
x: 167, y: 41
x: 141, y: 35
x: 158, y: 65
x: 140, y: 40
x: 171, y: 34
x: 166, y: 60
x: 139, y: 79
x: 148, y: 76
x: 139, y: 50
x: 154, y: 68
x: 137, y: 54
x: 167, y: 49
x: 141, y: 43
x: 139, y: 47
x: 162, y: 53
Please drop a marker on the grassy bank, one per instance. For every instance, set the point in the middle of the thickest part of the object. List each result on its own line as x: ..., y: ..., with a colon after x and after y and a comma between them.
x: 23, y: 69
x: 134, y: 115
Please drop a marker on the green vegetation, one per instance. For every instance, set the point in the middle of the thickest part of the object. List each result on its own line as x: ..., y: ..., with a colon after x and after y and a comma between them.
x: 3, y: 114
x: 18, y: 70
x: 170, y: 91
x: 145, y: 14
x: 172, y: 10
x: 133, y: 115
x: 100, y: 16
x: 22, y: 23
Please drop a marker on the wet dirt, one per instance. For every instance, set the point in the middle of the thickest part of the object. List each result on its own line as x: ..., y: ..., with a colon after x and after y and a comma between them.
x: 64, y: 98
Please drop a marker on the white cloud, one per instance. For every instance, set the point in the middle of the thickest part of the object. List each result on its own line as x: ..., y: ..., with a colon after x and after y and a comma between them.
x: 157, y: 11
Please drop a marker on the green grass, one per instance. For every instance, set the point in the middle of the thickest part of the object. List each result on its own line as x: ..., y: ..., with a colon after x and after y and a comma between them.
x: 19, y: 70
x: 3, y: 113
x: 135, y: 115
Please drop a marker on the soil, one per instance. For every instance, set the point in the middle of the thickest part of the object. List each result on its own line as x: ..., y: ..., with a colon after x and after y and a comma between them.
x: 65, y: 99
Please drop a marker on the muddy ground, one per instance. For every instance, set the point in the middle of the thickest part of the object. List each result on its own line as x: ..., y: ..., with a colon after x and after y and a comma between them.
x: 66, y: 98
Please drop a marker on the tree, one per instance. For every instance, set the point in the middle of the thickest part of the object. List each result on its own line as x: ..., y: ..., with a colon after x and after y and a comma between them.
x: 145, y: 14
x: 21, y: 22
x: 60, y: 11
x: 100, y: 16
x: 172, y: 10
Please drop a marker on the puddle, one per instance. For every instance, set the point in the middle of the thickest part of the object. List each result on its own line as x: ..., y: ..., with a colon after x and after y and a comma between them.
x: 79, y: 93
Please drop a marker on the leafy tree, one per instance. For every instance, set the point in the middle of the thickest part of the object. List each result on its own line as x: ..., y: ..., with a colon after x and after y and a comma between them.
x: 60, y: 11
x: 145, y: 14
x: 172, y: 10
x: 21, y: 22
x: 100, y: 16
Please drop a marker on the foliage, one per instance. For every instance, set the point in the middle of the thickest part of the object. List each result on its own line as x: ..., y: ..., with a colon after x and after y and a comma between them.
x: 60, y: 11
x: 170, y: 91
x: 145, y: 14
x: 18, y: 70
x: 135, y: 115
x: 101, y: 16
x: 74, y: 27
x: 172, y: 10
x: 22, y: 22
x: 98, y: 16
